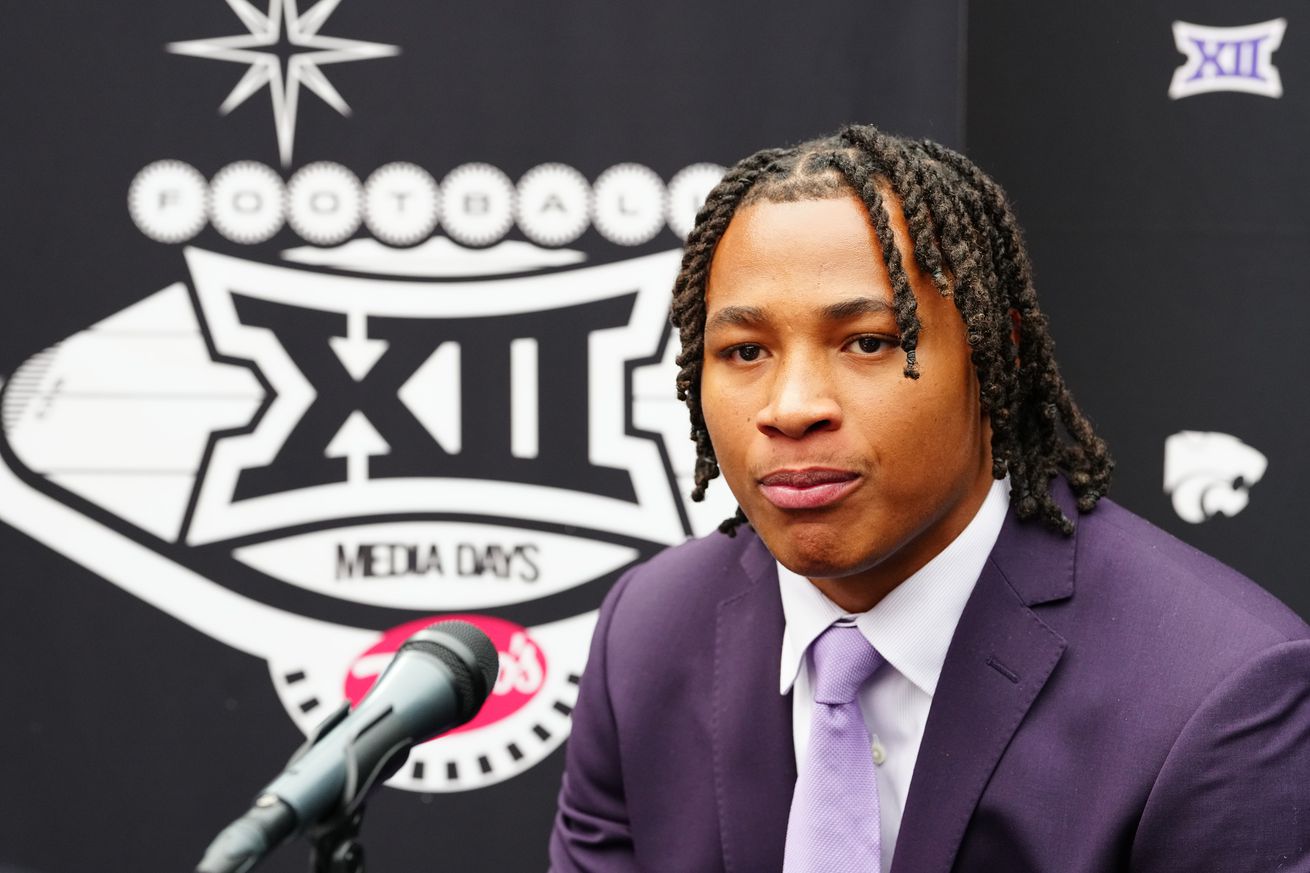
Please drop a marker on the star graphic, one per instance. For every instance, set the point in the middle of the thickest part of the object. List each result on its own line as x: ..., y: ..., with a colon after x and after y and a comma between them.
x: 309, y: 52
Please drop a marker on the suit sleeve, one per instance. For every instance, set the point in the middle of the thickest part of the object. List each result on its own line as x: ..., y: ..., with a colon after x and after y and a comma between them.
x: 592, y: 833
x: 1234, y: 791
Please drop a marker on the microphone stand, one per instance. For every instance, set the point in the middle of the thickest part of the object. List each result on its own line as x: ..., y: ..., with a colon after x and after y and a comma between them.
x: 335, y: 845
x: 334, y: 842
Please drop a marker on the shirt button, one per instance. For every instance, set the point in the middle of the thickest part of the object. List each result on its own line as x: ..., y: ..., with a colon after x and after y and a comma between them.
x: 879, y: 753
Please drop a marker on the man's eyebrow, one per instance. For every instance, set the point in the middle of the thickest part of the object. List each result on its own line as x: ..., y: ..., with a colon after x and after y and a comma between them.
x: 856, y: 307
x: 747, y: 316
x: 737, y: 316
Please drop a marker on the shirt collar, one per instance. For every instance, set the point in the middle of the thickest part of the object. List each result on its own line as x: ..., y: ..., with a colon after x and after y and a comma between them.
x: 913, y: 625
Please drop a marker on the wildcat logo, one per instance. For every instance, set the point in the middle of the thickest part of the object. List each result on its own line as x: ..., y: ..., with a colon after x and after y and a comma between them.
x: 1228, y: 59
x: 1210, y: 474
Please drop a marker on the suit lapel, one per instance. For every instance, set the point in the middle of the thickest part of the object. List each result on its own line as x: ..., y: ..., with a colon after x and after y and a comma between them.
x: 754, y: 760
x: 999, y: 659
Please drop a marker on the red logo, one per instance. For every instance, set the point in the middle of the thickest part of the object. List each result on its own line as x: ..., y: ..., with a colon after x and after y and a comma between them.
x: 522, y: 666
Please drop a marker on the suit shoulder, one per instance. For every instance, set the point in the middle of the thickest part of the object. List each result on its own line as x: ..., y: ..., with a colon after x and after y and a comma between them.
x: 1121, y: 550
x: 697, y: 572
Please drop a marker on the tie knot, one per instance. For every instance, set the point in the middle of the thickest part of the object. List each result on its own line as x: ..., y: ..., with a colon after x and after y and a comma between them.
x: 843, y: 661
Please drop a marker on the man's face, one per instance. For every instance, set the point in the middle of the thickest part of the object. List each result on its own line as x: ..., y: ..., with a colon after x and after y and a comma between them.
x: 852, y: 474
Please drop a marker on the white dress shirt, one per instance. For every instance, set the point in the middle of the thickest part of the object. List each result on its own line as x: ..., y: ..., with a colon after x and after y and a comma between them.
x: 911, y: 627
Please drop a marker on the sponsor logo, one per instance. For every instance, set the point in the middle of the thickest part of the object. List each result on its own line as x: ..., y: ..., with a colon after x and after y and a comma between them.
x: 1228, y: 59
x: 529, y: 705
x: 1208, y: 474
x: 308, y: 453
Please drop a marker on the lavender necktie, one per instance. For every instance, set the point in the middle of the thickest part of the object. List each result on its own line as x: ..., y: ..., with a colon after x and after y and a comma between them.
x: 834, y: 825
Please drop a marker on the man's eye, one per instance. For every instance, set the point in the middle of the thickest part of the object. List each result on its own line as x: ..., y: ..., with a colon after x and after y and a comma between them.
x: 745, y: 352
x: 869, y: 345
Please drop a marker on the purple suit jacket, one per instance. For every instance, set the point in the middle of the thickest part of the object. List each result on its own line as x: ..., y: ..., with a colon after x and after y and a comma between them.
x: 1111, y: 701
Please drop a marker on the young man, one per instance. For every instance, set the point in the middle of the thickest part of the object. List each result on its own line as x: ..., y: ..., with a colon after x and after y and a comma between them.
x: 984, y: 665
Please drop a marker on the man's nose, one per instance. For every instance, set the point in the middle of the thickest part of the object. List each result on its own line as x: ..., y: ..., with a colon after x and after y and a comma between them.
x: 801, y: 400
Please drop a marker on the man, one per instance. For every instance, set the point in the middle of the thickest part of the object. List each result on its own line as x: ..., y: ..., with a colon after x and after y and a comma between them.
x: 970, y: 680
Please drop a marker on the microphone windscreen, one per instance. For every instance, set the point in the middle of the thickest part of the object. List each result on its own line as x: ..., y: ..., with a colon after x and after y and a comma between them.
x: 468, y: 653
x: 488, y: 660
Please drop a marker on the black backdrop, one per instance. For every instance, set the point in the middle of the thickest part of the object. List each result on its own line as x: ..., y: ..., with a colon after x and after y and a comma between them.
x: 1171, y: 245
x: 1169, y: 251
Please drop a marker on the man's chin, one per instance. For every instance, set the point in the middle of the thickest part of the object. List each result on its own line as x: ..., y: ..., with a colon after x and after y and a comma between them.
x: 816, y: 562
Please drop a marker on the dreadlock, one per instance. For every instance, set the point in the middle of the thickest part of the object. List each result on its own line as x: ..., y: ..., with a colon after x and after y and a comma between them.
x: 966, y: 238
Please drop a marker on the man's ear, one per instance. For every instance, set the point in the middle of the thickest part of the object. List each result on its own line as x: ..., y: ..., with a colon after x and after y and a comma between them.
x: 1016, y: 322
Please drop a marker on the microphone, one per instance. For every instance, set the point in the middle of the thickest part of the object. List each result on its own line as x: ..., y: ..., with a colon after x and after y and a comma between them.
x: 438, y: 680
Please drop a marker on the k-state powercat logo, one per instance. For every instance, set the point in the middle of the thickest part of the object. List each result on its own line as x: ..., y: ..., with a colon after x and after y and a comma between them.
x: 1209, y: 474
x: 409, y: 417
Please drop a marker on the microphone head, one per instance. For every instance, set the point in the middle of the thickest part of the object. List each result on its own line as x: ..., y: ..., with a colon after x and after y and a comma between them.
x: 469, y: 655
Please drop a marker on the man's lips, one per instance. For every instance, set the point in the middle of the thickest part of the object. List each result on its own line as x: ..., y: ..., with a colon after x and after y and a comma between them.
x: 810, y: 488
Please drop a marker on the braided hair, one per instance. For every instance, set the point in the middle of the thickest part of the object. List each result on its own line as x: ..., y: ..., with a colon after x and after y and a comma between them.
x: 966, y: 238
